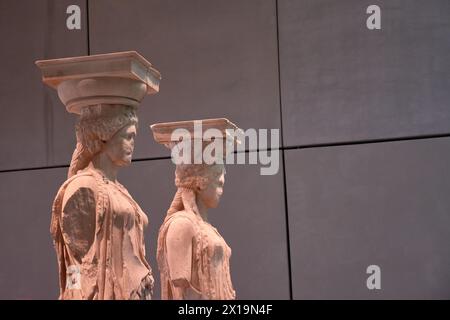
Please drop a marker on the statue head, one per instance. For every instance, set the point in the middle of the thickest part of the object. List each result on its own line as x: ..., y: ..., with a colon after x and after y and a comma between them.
x: 197, y: 182
x: 108, y: 129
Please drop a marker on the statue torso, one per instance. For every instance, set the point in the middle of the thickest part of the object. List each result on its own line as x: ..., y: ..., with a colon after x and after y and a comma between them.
x: 113, y: 264
x: 210, y: 260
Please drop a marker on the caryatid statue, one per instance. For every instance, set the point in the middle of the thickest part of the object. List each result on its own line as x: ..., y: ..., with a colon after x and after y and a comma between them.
x: 193, y: 258
x: 96, y: 225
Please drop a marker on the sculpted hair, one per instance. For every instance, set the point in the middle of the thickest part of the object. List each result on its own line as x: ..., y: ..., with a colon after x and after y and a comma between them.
x: 96, y: 125
x: 190, y: 178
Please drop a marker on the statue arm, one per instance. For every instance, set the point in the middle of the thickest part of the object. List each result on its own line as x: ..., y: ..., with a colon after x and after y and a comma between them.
x: 179, y: 240
x: 79, y: 216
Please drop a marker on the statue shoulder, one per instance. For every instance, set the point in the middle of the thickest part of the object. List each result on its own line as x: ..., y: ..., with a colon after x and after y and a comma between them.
x: 78, y: 215
x: 181, y: 223
x: 82, y: 185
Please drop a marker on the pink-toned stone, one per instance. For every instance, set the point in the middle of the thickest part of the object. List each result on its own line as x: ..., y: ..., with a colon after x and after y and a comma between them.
x: 193, y: 257
x: 113, y: 78
x: 96, y: 225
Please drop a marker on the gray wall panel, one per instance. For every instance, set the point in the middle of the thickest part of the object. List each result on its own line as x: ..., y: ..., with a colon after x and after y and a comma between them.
x: 343, y: 82
x: 28, y: 268
x: 385, y: 204
x: 33, y: 119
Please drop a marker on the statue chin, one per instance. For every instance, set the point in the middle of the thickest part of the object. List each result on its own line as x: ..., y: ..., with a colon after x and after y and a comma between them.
x: 127, y: 160
x: 213, y: 204
x: 124, y: 162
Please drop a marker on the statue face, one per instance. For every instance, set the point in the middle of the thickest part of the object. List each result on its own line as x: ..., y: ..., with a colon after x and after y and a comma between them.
x: 120, y: 147
x: 213, y: 191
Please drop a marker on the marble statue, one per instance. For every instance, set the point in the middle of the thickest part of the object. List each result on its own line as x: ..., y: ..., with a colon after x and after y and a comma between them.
x: 97, y: 227
x: 193, y: 258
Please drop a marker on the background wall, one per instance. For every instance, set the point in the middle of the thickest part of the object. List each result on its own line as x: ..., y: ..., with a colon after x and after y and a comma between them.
x: 365, y: 123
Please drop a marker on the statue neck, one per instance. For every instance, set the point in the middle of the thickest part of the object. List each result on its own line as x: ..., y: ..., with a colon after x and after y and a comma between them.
x: 102, y: 163
x: 202, y: 210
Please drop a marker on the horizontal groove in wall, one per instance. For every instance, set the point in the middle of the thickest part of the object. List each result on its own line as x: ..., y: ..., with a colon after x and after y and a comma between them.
x: 318, y: 145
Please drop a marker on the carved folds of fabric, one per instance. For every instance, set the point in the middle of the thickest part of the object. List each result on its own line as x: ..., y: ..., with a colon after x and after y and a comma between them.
x: 84, y: 240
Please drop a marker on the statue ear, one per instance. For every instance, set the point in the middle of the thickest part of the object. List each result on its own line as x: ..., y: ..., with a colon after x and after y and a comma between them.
x: 103, y: 144
x: 201, y: 185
